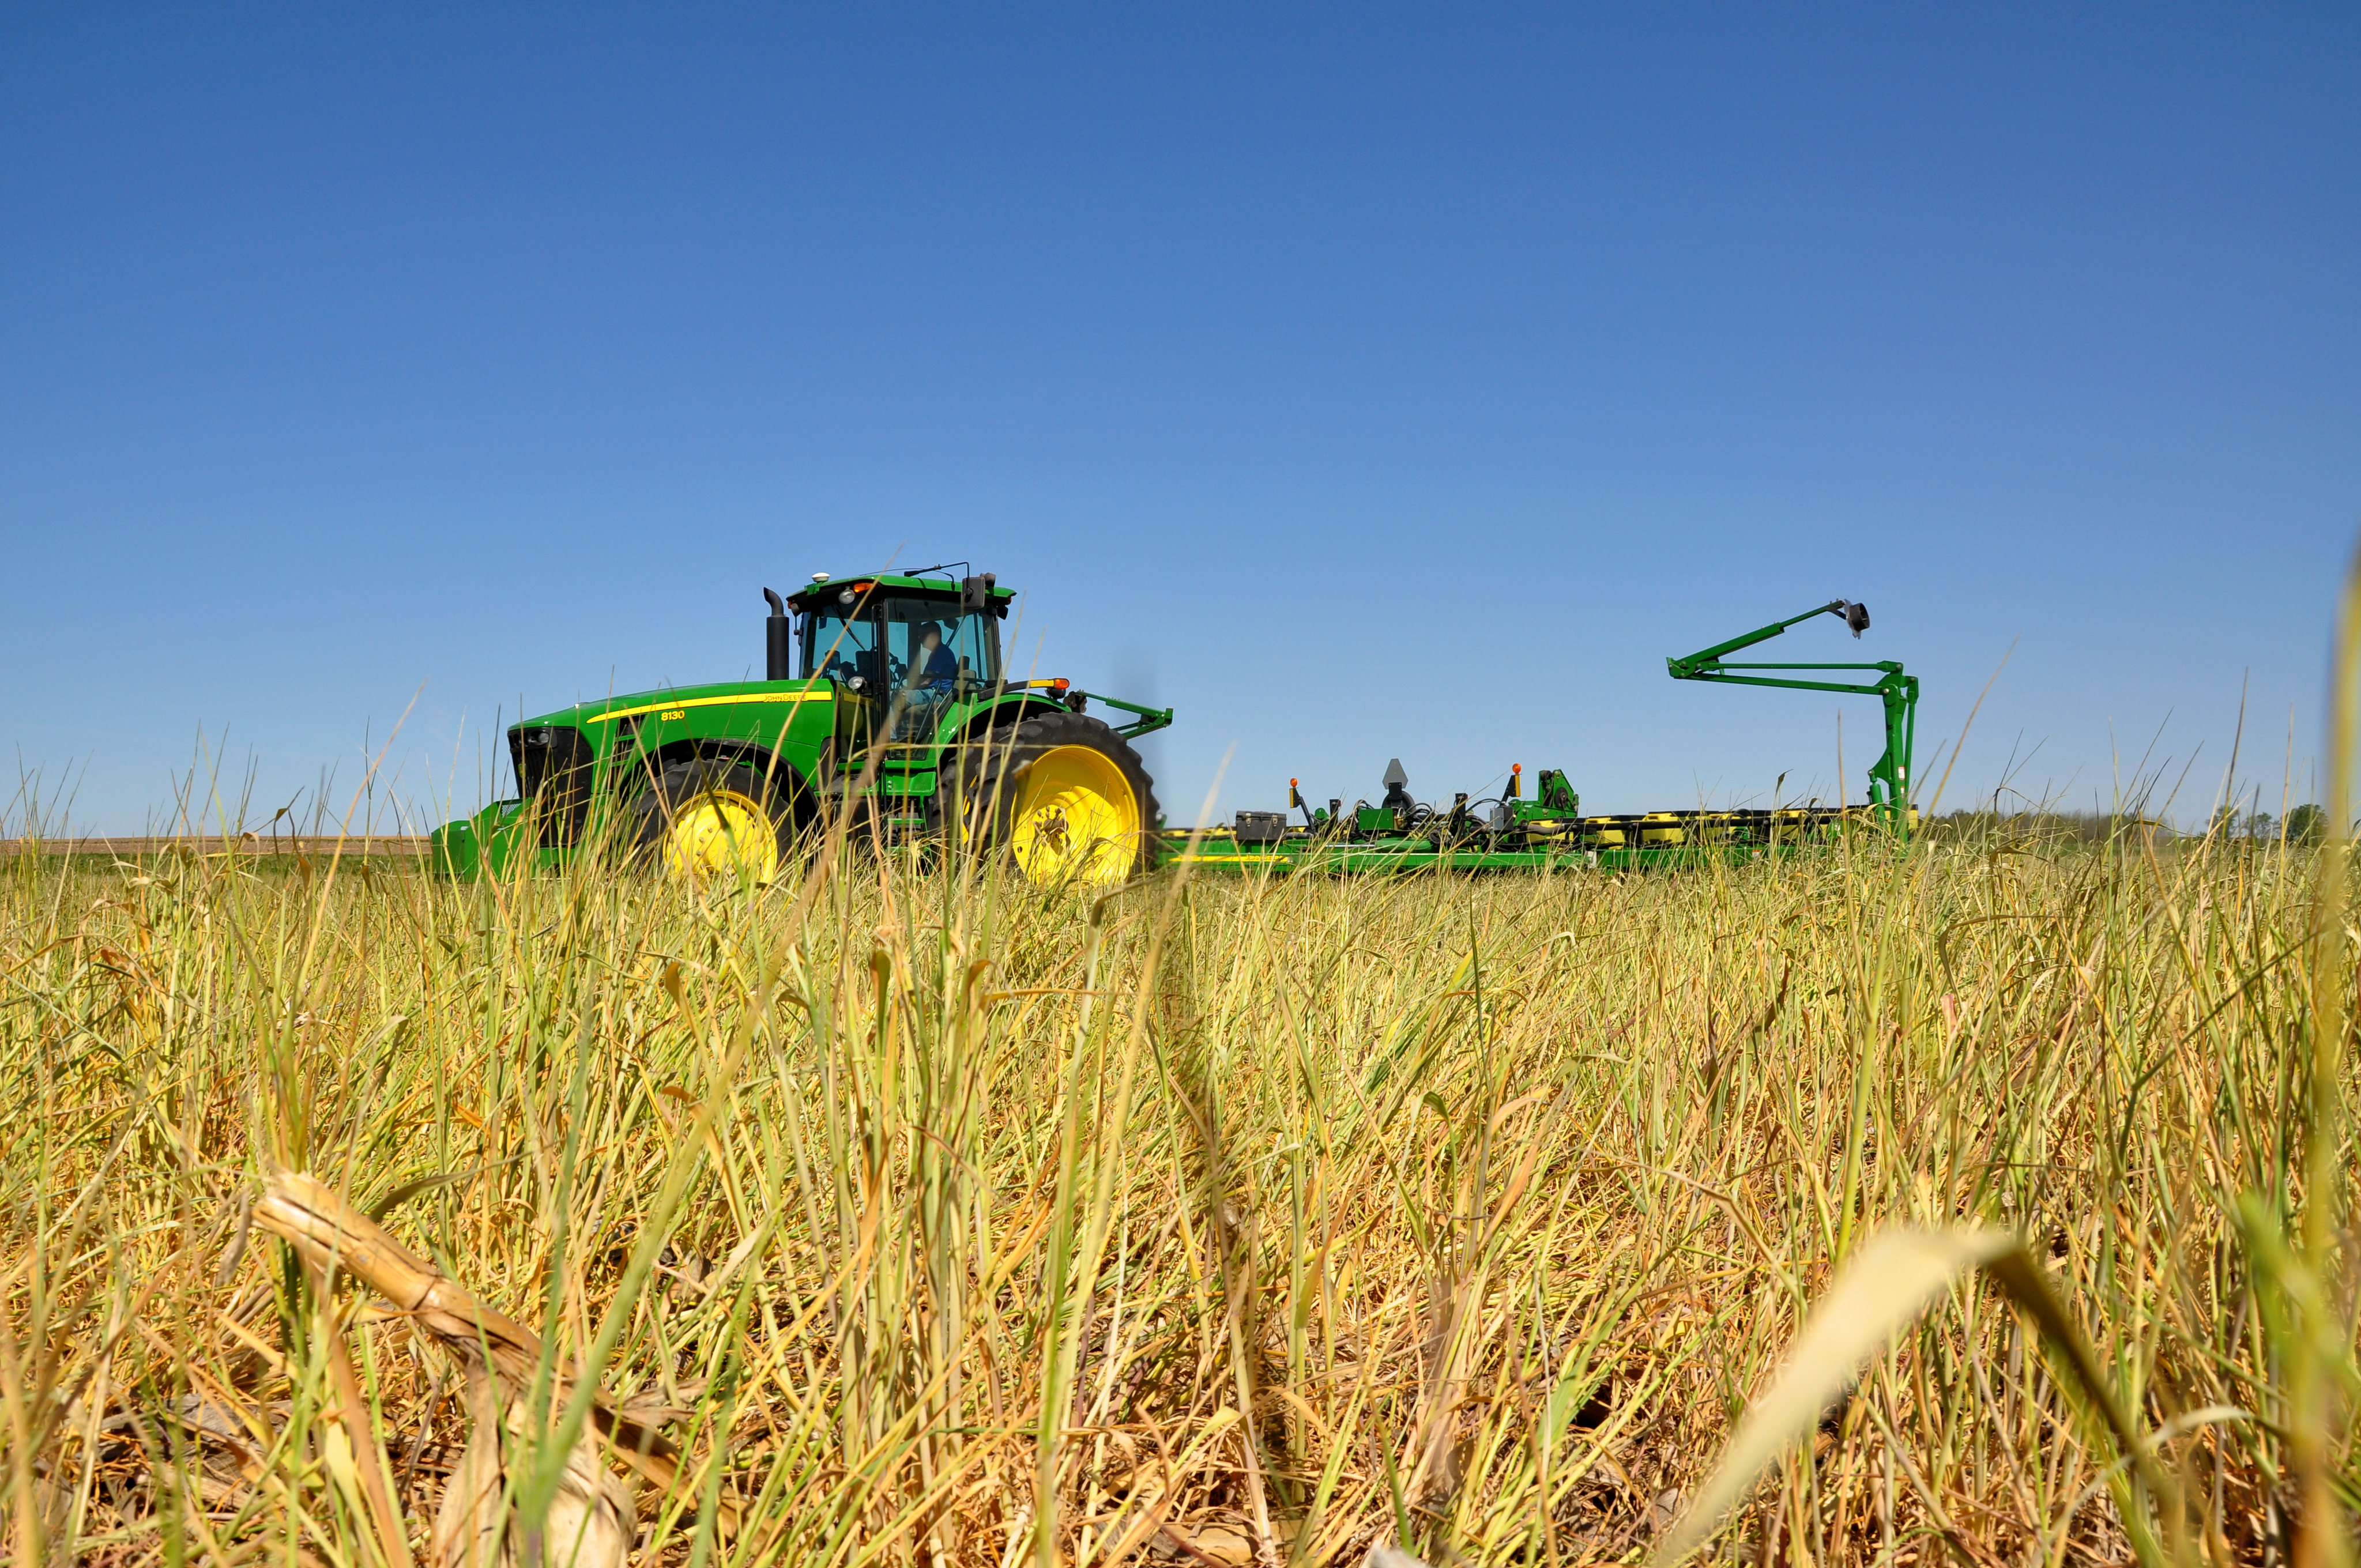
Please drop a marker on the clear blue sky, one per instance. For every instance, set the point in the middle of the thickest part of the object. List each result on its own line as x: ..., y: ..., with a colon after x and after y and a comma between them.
x: 1361, y: 381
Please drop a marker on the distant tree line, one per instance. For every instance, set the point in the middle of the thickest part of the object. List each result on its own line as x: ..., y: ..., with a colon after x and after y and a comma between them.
x: 2301, y: 825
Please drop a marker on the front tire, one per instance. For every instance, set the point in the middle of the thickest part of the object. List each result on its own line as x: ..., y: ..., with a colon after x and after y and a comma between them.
x: 1064, y: 795
x: 705, y: 818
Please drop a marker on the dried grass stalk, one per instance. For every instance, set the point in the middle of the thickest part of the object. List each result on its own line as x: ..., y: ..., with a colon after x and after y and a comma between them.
x: 590, y: 1524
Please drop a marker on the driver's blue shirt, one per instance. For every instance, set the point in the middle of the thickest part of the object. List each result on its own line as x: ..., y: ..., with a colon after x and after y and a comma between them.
x: 941, y: 668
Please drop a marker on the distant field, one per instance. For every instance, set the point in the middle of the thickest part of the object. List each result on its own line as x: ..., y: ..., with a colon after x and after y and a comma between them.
x: 902, y: 1217
x: 140, y: 846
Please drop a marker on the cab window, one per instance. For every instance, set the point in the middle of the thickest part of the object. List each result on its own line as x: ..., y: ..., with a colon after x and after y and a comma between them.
x: 966, y: 647
x: 841, y: 642
x: 975, y: 637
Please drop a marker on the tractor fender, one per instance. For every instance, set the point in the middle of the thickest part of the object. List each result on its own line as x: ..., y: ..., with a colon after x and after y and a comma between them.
x: 1005, y: 712
x: 642, y: 770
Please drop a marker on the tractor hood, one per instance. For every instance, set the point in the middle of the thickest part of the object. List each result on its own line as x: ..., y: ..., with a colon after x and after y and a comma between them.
x: 676, y: 702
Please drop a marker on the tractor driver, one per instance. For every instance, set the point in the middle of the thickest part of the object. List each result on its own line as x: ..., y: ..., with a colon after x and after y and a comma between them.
x: 933, y: 667
x: 934, y: 671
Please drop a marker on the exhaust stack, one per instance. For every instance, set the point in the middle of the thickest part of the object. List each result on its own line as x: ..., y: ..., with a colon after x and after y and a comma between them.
x: 779, y: 636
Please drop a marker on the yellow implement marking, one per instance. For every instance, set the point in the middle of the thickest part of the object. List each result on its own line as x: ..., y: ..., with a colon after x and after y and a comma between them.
x: 672, y: 708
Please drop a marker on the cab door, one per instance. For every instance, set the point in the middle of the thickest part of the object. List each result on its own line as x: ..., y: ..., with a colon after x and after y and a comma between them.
x: 845, y: 645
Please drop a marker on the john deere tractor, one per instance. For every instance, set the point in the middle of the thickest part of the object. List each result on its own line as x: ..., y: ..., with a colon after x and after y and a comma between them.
x: 884, y: 704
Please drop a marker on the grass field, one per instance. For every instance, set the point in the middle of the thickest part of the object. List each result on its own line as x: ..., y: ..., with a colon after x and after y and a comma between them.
x: 897, y: 1216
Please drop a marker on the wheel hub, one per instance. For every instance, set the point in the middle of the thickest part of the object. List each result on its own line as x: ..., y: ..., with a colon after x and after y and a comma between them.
x: 1076, y: 819
x: 721, y: 833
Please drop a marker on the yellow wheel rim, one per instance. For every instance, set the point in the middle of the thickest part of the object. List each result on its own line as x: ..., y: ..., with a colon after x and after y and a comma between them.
x: 721, y: 833
x: 1075, y: 819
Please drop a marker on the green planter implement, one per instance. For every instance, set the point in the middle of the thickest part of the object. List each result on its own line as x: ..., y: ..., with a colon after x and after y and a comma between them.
x: 1889, y: 777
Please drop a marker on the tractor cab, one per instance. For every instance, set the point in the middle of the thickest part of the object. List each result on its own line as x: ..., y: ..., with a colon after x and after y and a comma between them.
x: 903, y: 648
x: 878, y: 635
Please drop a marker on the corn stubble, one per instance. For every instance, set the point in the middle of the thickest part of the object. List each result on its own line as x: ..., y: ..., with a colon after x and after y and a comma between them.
x: 895, y: 1214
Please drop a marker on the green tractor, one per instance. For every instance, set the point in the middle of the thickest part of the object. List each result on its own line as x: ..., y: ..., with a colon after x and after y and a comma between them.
x: 885, y: 705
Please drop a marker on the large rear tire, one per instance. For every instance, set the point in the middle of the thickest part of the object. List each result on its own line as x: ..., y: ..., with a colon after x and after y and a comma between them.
x: 1064, y: 795
x: 705, y: 818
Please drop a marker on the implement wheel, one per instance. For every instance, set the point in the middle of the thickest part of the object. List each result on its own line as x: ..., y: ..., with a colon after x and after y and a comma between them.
x: 1065, y: 794
x: 705, y: 818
